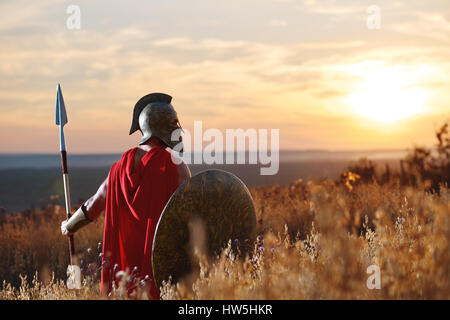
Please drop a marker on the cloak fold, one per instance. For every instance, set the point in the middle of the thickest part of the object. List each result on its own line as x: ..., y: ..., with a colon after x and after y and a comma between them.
x: 134, y: 202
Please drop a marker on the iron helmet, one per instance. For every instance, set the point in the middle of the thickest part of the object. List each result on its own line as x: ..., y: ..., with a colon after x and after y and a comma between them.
x: 153, y: 115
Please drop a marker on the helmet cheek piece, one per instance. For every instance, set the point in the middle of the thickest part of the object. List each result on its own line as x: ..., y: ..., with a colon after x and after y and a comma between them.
x: 176, y: 140
x: 156, y: 120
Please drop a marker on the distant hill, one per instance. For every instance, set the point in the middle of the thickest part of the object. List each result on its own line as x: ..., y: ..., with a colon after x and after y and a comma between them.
x: 29, y: 180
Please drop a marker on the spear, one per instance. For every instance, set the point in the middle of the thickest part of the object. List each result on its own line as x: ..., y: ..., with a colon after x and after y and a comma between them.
x: 61, y: 120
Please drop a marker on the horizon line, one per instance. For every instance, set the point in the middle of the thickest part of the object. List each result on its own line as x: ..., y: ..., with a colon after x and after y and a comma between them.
x: 282, y: 150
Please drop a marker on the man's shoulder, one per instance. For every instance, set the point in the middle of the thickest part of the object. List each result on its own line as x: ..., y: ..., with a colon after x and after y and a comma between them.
x: 123, y: 157
x: 176, y: 159
x: 183, y: 170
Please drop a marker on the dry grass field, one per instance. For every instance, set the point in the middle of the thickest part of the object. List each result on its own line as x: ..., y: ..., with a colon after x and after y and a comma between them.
x: 316, y: 240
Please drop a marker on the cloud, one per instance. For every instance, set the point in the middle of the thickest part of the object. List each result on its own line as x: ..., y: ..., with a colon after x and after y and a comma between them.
x: 330, y: 7
x: 226, y: 80
x: 426, y: 25
x: 278, y: 23
x: 186, y: 43
x: 22, y: 14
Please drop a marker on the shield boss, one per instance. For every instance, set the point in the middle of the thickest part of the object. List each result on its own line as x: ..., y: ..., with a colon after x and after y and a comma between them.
x: 222, y: 203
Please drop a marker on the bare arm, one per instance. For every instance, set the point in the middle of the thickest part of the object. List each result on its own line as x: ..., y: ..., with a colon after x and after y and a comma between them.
x: 88, y: 212
x: 183, y: 172
x: 97, y: 203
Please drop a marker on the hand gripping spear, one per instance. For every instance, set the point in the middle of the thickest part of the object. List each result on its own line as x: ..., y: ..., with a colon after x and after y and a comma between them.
x: 61, y: 119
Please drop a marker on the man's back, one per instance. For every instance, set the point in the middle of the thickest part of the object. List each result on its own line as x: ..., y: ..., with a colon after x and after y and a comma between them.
x: 139, y: 186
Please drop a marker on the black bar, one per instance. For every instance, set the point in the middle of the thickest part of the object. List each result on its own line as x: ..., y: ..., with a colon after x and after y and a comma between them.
x: 234, y: 309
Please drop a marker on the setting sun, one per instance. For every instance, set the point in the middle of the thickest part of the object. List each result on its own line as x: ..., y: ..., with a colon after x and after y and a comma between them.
x: 388, y: 94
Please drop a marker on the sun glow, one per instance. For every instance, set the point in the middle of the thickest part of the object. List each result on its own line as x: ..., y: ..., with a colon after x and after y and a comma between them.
x: 388, y: 94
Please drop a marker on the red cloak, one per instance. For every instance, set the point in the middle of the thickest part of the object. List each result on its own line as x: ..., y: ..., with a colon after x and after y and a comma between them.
x: 135, y: 200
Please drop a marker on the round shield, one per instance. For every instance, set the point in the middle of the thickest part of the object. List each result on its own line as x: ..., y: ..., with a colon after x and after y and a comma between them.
x: 222, y: 204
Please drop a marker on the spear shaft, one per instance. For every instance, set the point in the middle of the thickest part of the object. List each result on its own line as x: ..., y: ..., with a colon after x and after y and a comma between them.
x: 61, y: 120
x: 67, y: 201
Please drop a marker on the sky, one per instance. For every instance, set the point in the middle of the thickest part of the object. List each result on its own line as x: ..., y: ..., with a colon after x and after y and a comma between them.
x: 317, y: 70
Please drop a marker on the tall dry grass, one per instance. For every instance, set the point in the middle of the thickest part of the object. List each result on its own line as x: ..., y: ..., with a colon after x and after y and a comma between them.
x: 32, y: 242
x: 331, y: 235
x: 316, y: 241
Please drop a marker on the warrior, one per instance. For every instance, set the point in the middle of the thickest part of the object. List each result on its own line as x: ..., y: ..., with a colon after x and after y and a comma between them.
x: 134, y: 194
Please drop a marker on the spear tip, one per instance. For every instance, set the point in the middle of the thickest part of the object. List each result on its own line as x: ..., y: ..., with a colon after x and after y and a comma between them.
x: 61, y: 115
